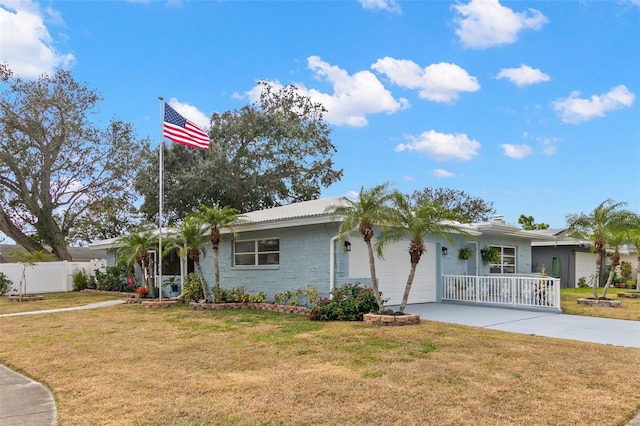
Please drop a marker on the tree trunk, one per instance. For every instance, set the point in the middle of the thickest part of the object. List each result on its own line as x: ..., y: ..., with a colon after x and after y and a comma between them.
x: 374, y: 281
x: 216, y: 273
x: 638, y: 271
x: 407, y: 288
x: 17, y: 235
x: 204, y: 285
x: 597, y: 274
x: 608, y: 283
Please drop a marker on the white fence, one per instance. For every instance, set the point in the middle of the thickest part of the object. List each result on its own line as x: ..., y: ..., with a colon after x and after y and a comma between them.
x: 48, y: 277
x: 516, y: 291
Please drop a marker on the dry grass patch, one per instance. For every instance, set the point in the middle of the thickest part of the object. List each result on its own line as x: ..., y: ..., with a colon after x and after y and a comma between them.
x: 53, y: 301
x: 128, y: 365
x: 630, y: 309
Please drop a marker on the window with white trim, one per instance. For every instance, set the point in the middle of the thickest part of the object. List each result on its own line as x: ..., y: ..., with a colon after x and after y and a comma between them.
x: 256, y: 252
x: 507, y: 263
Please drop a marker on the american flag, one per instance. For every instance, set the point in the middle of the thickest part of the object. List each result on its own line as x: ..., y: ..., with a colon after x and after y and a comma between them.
x: 180, y: 130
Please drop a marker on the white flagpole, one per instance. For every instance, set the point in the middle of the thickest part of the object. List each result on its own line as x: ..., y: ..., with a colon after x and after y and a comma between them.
x: 160, y: 196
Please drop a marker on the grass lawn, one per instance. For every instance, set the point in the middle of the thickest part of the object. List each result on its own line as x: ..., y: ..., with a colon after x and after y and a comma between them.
x: 630, y: 309
x: 131, y: 366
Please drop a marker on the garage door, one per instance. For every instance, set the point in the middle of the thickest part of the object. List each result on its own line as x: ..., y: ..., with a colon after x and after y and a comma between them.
x: 393, y: 271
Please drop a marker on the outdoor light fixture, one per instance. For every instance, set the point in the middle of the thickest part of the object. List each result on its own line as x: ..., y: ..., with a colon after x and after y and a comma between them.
x: 347, y: 246
x: 445, y: 251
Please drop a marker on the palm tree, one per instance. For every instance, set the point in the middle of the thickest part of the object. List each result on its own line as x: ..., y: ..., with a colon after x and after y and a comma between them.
x: 601, y: 226
x: 415, y: 221
x: 190, y: 243
x: 633, y: 237
x: 371, y: 209
x: 217, y: 219
x: 134, y: 248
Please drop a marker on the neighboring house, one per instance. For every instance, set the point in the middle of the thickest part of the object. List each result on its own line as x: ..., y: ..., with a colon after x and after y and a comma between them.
x: 570, y: 259
x: 292, y: 246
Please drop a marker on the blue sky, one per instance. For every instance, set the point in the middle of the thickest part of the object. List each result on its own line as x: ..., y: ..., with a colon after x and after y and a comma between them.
x: 530, y: 105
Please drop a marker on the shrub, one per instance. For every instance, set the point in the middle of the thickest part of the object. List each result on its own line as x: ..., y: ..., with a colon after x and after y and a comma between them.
x: 192, y: 288
x: 288, y: 297
x: 222, y: 295
x: 113, y: 279
x: 5, y: 284
x: 293, y: 298
x: 261, y: 297
x: 81, y: 280
x: 349, y: 303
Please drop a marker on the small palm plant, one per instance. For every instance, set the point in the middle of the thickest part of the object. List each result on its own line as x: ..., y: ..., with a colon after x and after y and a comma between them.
x: 134, y: 248
x: 217, y: 219
x: 190, y: 243
x: 608, y: 224
x: 415, y: 221
x: 371, y: 209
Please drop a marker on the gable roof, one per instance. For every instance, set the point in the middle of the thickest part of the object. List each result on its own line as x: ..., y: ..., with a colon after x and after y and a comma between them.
x: 321, y: 211
x: 301, y: 213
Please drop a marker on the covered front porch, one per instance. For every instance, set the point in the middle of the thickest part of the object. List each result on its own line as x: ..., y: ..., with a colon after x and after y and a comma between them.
x: 516, y: 291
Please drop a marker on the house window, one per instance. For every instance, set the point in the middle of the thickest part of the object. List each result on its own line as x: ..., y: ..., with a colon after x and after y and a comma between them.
x: 507, y: 263
x: 256, y: 252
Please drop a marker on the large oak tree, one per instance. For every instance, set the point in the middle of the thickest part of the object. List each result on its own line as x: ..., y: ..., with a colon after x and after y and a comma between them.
x: 273, y: 152
x: 60, y: 173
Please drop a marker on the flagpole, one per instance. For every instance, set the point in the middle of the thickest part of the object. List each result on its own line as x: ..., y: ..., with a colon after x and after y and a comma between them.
x: 160, y: 196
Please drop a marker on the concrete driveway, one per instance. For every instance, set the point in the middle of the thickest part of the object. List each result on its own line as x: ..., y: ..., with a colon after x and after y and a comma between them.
x: 586, y: 329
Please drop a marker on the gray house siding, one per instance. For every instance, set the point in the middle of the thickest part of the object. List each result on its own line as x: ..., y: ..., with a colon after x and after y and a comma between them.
x: 304, y: 260
x: 454, y: 266
x: 565, y: 262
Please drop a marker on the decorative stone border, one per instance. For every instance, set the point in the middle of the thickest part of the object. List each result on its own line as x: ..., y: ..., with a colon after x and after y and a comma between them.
x: 634, y: 295
x: 155, y: 303
x: 391, y: 320
x: 283, y: 309
x: 25, y: 298
x: 600, y: 302
x: 114, y: 293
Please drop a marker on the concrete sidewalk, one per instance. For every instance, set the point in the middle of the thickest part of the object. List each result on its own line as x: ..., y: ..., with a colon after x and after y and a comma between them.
x: 548, y: 324
x: 75, y: 308
x: 24, y: 402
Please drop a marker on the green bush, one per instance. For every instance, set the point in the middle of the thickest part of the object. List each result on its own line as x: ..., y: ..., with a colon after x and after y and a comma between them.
x: 81, y: 280
x: 192, y: 288
x: 5, y: 284
x: 349, y: 303
x: 114, y: 278
x: 261, y: 297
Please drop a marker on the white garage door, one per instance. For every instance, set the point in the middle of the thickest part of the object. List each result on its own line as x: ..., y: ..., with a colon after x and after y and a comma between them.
x: 393, y: 271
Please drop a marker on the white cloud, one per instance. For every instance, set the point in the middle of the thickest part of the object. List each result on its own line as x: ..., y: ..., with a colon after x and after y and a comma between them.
x: 354, y: 96
x: 516, y: 151
x: 441, y: 82
x: 25, y: 42
x: 441, y: 146
x: 441, y: 173
x: 574, y: 109
x: 191, y: 113
x: 549, y: 145
x: 523, y: 76
x: 388, y: 5
x: 485, y: 23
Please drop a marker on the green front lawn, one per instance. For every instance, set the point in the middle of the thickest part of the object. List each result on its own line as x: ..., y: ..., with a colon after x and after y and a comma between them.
x: 126, y: 365
x: 630, y: 309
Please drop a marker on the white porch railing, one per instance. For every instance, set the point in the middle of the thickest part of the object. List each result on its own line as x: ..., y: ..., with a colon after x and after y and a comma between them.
x: 516, y: 291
